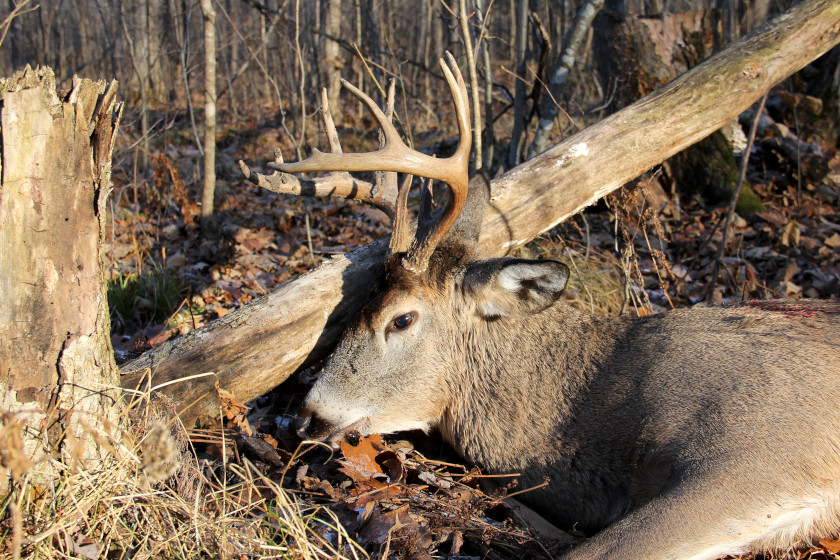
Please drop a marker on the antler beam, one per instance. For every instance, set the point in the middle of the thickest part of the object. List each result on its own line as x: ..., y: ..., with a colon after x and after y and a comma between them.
x: 396, y: 156
x: 338, y: 184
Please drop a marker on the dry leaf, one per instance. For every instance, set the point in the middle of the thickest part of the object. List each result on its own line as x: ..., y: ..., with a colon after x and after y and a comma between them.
x: 833, y: 241
x: 234, y: 411
x: 360, y: 461
x: 392, y: 465
x: 791, y: 235
x: 219, y: 310
x: 382, y: 524
x: 832, y: 546
x: 773, y: 216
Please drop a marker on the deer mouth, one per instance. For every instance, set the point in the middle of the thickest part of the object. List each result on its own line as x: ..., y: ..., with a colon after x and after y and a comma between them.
x: 311, y: 427
x: 341, y: 435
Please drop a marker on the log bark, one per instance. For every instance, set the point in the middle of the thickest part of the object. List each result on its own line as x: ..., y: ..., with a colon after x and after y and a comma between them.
x: 57, y: 369
x: 254, y: 349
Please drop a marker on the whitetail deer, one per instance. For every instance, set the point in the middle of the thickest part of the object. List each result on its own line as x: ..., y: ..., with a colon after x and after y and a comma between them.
x: 690, y: 434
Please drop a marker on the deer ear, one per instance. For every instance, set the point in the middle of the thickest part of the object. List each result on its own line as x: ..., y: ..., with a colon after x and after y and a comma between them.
x: 514, y: 287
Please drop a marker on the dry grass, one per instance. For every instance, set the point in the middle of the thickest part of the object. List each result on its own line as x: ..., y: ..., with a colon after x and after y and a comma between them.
x: 595, y: 283
x: 153, y: 497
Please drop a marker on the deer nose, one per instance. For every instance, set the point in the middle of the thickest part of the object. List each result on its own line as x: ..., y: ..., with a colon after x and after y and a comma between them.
x: 304, y: 421
x: 311, y: 426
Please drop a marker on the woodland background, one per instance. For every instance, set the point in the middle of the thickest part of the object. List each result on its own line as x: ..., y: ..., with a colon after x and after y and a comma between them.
x: 274, y: 57
x: 667, y: 239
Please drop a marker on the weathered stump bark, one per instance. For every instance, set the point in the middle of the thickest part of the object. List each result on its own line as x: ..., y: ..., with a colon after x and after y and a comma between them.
x: 57, y: 371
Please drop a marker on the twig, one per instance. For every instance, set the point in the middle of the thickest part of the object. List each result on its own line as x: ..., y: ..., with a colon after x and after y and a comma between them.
x: 705, y: 241
x: 309, y: 240
x: 537, y: 487
x: 798, y: 160
x: 476, y: 110
x: 17, y: 10
x: 745, y: 161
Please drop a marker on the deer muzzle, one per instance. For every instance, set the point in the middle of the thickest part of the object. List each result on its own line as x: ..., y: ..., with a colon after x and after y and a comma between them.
x: 312, y: 427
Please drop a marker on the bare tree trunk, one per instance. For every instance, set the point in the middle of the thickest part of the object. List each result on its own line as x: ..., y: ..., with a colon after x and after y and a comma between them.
x: 264, y: 39
x: 513, y: 32
x: 372, y: 30
x: 437, y: 42
x: 230, y: 60
x: 428, y: 12
x: 332, y: 62
x: 641, y: 54
x: 257, y: 347
x: 57, y: 370
x: 488, y: 137
x: 153, y: 35
x: 209, y: 190
x: 550, y: 105
x: 301, y: 75
x: 756, y: 12
x: 515, y: 151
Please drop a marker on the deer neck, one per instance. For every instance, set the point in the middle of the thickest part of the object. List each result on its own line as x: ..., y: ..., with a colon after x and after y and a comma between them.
x: 518, y: 384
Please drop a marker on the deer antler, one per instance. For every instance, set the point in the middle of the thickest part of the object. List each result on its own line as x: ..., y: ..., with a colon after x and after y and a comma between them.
x: 395, y: 156
x: 392, y: 157
x: 382, y: 193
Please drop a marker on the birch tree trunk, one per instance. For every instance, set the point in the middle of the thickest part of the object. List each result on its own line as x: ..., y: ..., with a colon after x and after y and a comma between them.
x: 209, y: 189
x: 255, y: 348
x: 551, y: 103
x: 57, y: 370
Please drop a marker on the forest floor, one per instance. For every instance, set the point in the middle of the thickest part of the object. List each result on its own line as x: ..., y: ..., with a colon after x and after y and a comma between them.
x: 645, y: 249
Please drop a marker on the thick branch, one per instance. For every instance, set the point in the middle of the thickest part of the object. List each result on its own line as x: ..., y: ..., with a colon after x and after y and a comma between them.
x: 257, y: 347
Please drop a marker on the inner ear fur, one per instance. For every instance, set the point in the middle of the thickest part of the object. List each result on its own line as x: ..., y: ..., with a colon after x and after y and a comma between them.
x: 514, y: 287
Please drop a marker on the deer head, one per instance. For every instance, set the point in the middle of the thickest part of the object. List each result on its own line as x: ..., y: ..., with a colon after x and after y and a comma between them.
x: 434, y: 291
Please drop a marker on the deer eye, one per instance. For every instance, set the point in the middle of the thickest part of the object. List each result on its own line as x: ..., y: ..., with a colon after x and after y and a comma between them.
x: 401, y: 323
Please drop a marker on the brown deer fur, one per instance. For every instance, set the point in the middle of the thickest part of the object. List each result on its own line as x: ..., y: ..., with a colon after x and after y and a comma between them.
x: 689, y: 434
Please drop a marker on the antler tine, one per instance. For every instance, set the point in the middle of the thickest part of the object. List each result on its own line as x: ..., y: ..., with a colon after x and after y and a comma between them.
x: 401, y: 234
x: 418, y: 259
x: 385, y: 183
x: 395, y: 155
x: 329, y: 124
x: 337, y: 184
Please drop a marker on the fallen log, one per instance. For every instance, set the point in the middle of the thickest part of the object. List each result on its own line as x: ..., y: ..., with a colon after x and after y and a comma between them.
x: 255, y: 348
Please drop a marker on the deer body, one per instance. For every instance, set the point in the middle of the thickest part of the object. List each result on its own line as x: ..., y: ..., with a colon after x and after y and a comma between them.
x: 645, y: 423
x: 693, y: 434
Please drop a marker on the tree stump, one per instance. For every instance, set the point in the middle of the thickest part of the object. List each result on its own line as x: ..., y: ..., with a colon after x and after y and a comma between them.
x: 57, y: 370
x: 640, y: 54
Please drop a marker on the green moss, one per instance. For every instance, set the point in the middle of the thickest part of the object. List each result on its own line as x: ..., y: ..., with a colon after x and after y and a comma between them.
x: 748, y: 202
x: 709, y: 168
